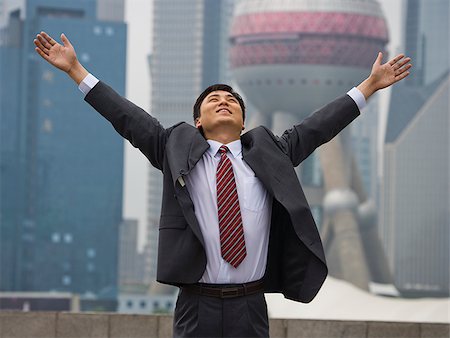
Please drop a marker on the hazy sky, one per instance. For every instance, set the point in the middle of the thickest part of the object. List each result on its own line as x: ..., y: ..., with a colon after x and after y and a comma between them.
x: 139, y: 16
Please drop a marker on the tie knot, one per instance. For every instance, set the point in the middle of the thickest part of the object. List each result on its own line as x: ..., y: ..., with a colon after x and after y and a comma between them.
x: 223, y: 150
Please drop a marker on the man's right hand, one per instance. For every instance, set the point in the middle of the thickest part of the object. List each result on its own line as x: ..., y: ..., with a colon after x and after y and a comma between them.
x: 61, y: 56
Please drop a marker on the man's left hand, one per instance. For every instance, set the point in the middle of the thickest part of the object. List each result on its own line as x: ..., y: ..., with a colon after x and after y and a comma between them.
x: 385, y: 75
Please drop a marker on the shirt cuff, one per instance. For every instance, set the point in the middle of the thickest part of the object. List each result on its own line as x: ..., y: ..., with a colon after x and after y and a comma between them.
x: 87, y: 84
x: 358, y: 97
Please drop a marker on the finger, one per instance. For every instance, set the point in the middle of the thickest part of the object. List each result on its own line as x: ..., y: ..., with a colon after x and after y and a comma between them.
x: 379, y: 58
x: 401, y: 63
x: 41, y: 53
x: 396, y: 59
x: 403, y: 70
x: 65, y: 41
x: 40, y: 46
x: 44, y: 41
x: 401, y: 76
x: 49, y: 39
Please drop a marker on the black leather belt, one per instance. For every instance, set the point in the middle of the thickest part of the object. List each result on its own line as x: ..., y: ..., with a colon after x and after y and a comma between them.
x: 225, y: 291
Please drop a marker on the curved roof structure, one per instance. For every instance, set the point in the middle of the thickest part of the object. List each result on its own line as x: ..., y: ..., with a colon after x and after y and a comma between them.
x: 339, y: 300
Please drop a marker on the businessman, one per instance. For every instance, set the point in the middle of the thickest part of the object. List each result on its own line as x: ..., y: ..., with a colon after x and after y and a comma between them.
x: 234, y: 220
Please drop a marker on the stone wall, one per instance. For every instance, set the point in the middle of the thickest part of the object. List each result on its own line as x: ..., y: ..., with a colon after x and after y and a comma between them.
x: 86, y: 325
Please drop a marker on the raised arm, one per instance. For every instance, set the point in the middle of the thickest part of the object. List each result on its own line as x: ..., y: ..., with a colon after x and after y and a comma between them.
x: 301, y: 140
x: 61, y: 56
x: 131, y: 122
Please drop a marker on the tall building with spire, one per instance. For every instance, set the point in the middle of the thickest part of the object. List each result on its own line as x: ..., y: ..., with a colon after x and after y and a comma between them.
x: 190, y: 52
x: 61, y: 164
x: 416, y: 187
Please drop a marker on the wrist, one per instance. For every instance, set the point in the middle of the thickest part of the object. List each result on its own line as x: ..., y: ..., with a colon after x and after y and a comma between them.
x: 367, y: 88
x: 77, y: 72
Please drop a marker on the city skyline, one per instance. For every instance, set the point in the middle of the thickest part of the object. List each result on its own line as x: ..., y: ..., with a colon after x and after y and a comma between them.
x: 143, y: 161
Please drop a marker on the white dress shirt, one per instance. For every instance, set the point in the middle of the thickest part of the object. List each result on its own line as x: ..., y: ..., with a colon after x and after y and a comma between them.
x: 255, y: 204
x: 254, y: 201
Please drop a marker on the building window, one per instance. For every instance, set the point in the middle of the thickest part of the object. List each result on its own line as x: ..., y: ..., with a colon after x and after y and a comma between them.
x: 56, y: 238
x: 90, y: 253
x: 143, y: 304
x: 48, y: 76
x: 85, y: 57
x: 129, y: 304
x: 68, y: 238
x: 97, y: 30
x: 109, y: 31
x: 66, y: 280
x: 47, y: 103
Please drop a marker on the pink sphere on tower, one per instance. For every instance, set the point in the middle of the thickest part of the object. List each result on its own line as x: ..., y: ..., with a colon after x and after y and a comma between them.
x: 287, y: 53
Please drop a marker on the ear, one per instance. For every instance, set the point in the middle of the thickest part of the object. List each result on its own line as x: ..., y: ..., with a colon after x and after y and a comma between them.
x: 243, y: 126
x: 198, y: 123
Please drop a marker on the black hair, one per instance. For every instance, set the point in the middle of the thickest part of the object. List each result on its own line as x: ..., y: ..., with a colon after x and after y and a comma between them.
x: 214, y: 88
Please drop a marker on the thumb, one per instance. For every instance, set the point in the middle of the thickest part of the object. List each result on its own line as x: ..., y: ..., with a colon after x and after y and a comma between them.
x: 65, y: 41
x: 379, y: 58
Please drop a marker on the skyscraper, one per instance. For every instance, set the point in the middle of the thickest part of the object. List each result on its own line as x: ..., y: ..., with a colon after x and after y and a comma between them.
x: 415, y: 197
x: 427, y: 39
x: 190, y: 53
x: 61, y: 165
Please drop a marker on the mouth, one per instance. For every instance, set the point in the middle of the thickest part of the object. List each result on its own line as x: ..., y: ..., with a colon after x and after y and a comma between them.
x: 223, y: 110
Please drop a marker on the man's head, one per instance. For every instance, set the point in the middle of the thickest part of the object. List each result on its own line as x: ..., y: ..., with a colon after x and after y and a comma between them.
x: 219, y: 107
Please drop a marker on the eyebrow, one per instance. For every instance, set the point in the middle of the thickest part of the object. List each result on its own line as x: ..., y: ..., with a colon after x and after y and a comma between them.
x: 217, y: 95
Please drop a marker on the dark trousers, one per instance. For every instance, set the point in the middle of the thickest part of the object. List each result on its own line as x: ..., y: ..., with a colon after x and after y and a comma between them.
x: 202, y: 316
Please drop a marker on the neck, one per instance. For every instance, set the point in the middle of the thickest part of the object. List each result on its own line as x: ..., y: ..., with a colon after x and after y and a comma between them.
x: 223, y: 138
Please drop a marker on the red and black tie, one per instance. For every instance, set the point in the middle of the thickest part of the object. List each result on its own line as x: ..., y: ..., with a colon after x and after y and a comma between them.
x: 232, y: 242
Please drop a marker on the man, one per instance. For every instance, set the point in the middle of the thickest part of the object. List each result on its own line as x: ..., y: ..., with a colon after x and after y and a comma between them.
x: 234, y: 220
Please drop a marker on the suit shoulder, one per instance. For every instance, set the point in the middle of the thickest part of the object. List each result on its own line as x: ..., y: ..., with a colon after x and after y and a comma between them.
x: 182, y: 127
x: 260, y: 132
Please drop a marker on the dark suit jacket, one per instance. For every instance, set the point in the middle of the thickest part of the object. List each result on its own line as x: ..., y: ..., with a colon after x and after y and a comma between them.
x: 296, y: 263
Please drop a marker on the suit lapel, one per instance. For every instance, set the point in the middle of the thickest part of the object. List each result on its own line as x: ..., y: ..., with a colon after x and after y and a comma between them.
x: 184, y: 149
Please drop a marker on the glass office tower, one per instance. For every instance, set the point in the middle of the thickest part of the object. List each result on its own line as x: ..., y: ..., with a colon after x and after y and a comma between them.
x: 61, y: 164
x: 416, y: 188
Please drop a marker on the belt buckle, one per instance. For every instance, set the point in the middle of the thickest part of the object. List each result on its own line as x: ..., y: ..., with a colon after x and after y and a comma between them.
x: 229, y: 292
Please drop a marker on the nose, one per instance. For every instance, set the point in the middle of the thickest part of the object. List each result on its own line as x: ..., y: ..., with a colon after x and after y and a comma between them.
x: 223, y: 102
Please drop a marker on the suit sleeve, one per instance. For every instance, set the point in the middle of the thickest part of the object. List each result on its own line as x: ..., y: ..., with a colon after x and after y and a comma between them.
x: 320, y: 127
x: 131, y: 122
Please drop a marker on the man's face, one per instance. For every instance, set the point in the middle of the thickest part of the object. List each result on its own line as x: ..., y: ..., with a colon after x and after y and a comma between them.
x: 220, y: 108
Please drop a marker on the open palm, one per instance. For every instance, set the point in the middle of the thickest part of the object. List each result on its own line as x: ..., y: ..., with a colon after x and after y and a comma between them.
x: 60, y: 56
x: 391, y: 72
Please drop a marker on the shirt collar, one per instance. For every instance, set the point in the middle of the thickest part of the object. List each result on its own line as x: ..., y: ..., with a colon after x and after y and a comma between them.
x: 235, y: 147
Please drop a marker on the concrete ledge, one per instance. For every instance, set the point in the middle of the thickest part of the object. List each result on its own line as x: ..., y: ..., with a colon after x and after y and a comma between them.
x: 112, y: 325
x: 29, y: 324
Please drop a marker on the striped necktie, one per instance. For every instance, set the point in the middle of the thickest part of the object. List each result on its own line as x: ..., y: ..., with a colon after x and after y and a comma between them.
x: 232, y: 242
